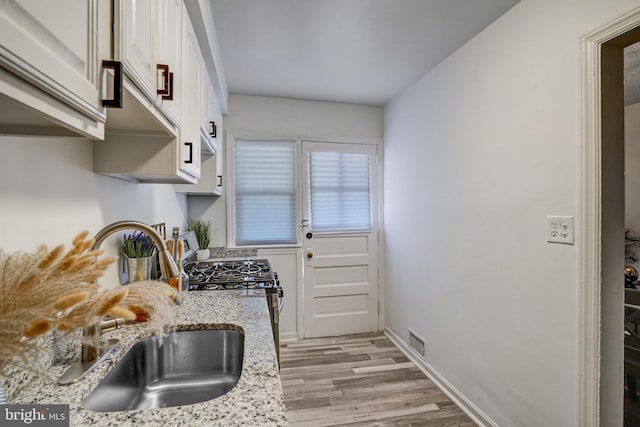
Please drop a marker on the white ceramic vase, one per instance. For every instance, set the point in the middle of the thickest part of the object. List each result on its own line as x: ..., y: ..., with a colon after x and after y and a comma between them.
x: 202, y: 254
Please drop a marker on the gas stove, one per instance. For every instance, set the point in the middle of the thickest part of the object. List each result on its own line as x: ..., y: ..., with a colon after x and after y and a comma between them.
x: 231, y: 274
x: 243, y: 274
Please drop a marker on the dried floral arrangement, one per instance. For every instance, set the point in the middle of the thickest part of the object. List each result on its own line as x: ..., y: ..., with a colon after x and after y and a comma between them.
x: 52, y: 290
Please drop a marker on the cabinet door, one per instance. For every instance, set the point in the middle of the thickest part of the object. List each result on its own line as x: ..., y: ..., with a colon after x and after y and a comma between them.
x: 205, y: 101
x: 54, y: 46
x: 169, y: 48
x: 210, y: 124
x: 218, y: 141
x: 212, y: 167
x: 190, y: 118
x: 134, y: 29
x: 220, y: 160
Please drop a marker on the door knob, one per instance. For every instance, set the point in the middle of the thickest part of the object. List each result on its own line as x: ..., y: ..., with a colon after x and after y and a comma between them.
x: 309, y: 255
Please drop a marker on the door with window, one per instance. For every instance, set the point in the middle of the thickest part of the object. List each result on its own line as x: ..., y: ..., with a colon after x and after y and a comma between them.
x: 340, y: 238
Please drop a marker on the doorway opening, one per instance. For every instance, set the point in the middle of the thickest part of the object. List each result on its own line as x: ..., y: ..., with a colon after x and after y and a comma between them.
x: 603, y: 208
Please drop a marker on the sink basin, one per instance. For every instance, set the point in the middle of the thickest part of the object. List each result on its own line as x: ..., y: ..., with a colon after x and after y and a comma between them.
x: 181, y: 368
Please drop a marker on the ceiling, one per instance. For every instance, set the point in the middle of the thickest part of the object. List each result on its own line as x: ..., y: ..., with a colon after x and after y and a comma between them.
x: 356, y: 51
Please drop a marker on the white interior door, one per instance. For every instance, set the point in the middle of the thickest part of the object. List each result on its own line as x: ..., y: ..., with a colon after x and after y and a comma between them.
x: 340, y: 238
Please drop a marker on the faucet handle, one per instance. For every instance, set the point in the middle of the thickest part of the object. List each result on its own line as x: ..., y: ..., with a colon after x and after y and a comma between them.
x: 94, y: 350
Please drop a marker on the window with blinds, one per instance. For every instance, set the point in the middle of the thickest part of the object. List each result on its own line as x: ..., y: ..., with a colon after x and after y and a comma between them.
x: 265, y: 192
x: 340, y: 193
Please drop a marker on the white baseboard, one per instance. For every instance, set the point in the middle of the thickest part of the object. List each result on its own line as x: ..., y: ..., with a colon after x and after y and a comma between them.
x: 288, y: 336
x: 447, y: 388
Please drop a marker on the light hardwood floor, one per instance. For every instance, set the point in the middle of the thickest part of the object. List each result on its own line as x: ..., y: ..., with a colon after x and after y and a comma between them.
x: 360, y: 380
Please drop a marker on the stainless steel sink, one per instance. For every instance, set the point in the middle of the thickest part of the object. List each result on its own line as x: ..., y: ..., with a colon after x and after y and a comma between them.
x: 181, y: 368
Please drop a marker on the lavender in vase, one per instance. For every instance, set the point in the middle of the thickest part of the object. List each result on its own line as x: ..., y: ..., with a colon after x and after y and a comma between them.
x: 138, y: 245
x: 138, y: 249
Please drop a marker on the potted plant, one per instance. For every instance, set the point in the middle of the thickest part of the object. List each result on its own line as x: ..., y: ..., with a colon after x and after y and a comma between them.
x: 138, y: 250
x: 202, y: 230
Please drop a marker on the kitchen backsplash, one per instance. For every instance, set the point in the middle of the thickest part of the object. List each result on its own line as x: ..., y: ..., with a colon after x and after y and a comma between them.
x: 222, y: 252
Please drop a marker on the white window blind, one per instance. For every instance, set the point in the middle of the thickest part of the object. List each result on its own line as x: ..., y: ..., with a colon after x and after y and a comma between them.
x: 265, y: 192
x: 340, y: 190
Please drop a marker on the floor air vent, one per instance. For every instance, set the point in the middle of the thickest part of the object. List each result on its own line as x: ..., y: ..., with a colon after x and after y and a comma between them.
x: 416, y: 343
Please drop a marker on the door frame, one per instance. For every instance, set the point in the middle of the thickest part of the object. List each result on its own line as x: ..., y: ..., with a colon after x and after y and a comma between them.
x: 596, y: 220
x: 376, y: 212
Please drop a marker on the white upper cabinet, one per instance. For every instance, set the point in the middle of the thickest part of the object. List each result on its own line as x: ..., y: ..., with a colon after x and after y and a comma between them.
x: 135, y: 147
x: 211, y: 137
x: 146, y: 40
x: 50, y: 66
x: 54, y: 81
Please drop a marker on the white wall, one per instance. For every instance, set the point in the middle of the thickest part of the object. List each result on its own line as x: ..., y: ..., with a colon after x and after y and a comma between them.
x: 477, y: 153
x: 257, y: 116
x: 49, y: 193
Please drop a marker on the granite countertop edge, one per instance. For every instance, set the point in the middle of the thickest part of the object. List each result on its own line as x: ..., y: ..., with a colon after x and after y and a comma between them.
x: 257, y: 399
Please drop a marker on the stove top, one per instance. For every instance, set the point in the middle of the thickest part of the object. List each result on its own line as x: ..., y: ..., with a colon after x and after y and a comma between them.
x: 235, y: 274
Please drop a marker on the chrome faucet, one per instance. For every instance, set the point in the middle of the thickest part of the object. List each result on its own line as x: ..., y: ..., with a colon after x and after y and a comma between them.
x: 93, y: 349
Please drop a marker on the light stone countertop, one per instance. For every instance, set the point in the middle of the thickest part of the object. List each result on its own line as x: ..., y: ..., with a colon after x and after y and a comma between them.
x: 257, y: 399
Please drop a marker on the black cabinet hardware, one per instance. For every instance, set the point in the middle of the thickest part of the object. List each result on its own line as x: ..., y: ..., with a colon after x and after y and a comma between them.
x: 170, y: 96
x: 190, y: 145
x: 116, y: 101
x: 167, y: 83
x: 164, y: 69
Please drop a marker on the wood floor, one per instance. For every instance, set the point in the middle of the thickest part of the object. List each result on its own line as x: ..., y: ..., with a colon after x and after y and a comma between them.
x: 360, y: 380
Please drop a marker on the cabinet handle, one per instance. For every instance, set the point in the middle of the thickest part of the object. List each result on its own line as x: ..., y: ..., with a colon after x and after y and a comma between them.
x: 276, y: 313
x: 167, y: 82
x: 116, y: 102
x: 164, y: 69
x: 190, y: 145
x: 214, y: 129
x: 170, y: 96
x: 219, y: 180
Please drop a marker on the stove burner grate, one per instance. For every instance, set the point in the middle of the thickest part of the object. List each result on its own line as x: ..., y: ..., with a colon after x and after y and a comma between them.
x: 244, y: 274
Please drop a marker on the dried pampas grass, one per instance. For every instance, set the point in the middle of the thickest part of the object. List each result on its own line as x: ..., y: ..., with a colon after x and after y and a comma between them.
x: 51, y: 289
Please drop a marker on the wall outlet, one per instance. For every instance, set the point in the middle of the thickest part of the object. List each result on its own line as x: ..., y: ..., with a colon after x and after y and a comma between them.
x: 560, y: 229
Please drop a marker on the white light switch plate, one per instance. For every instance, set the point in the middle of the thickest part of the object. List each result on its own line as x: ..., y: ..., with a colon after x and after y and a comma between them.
x: 560, y: 229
